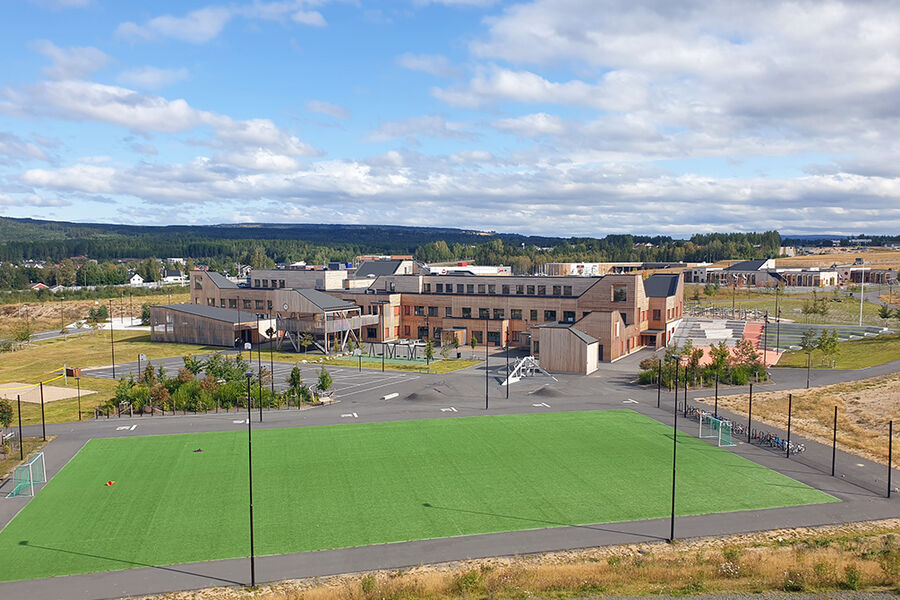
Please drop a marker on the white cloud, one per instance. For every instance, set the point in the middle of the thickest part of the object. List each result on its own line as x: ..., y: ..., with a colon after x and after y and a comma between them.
x: 328, y: 108
x: 16, y: 149
x: 196, y: 27
x: 32, y: 200
x: 63, y: 4
x: 433, y: 126
x: 433, y: 64
x: 72, y: 62
x: 309, y: 17
x: 151, y: 78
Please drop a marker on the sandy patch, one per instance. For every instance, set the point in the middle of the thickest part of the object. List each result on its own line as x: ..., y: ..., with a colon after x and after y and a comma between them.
x: 31, y: 392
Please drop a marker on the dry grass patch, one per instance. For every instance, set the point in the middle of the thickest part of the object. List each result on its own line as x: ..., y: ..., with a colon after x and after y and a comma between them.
x: 864, y: 409
x: 862, y: 556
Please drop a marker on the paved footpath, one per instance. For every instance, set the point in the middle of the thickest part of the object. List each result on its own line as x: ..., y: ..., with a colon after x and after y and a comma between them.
x: 859, y: 484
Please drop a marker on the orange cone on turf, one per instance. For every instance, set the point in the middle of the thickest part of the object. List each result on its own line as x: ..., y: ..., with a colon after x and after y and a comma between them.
x: 110, y: 483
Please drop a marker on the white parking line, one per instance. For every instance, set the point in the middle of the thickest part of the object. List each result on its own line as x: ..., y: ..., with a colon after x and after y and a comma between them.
x: 122, y: 428
x: 451, y: 409
x: 374, y: 387
x: 541, y: 405
x: 629, y: 401
x: 349, y: 415
x: 238, y: 422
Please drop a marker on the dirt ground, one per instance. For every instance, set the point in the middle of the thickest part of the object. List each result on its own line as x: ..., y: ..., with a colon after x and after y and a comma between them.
x: 864, y: 409
x: 30, y: 392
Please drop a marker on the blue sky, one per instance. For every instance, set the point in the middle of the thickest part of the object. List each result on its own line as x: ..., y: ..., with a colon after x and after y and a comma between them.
x: 564, y: 117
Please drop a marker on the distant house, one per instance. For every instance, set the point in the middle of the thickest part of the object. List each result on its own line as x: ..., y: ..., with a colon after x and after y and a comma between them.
x: 38, y: 286
x: 57, y: 288
x: 135, y: 280
x: 172, y: 276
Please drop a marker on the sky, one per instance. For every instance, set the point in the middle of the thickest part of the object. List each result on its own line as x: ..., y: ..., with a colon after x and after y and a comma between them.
x: 554, y: 117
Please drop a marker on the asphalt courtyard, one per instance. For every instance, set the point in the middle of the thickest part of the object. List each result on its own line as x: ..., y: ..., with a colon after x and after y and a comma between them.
x: 859, y: 484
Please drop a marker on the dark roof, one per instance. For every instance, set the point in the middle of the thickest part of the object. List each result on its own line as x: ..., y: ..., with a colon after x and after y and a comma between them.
x: 377, y: 268
x: 215, y: 313
x: 578, y: 333
x: 325, y: 301
x: 661, y: 285
x: 220, y: 280
x: 172, y: 273
x: 748, y: 265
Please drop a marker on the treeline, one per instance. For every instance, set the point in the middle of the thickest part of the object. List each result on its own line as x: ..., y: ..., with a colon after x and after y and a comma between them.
x: 612, y: 248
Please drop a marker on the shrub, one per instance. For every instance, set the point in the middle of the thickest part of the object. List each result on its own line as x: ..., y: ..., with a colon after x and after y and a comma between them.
x: 368, y: 584
x: 467, y: 582
x: 793, y: 581
x: 852, y: 578
x: 647, y: 377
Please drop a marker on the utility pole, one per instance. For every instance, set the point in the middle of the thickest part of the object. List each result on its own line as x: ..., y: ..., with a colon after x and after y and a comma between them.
x: 112, y: 343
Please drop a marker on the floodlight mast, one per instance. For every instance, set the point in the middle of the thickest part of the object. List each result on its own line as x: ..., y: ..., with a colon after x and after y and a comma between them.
x: 248, y: 375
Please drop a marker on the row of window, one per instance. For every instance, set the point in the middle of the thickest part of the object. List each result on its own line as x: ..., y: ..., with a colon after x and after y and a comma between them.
x: 279, y: 283
x: 245, y: 304
x: 487, y: 313
x: 491, y: 288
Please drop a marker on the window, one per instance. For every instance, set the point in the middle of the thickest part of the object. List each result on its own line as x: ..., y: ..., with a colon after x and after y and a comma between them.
x: 492, y: 289
x: 657, y: 314
x: 211, y: 301
x: 530, y: 290
x: 515, y: 336
x: 480, y: 288
x: 256, y: 283
x: 448, y: 311
x: 371, y: 332
x: 258, y: 304
x: 470, y: 288
x: 542, y: 290
x: 537, y: 347
x: 427, y: 288
x: 460, y: 288
x: 567, y: 290
x: 467, y: 312
x: 396, y: 331
x: 406, y: 310
x: 499, y: 313
x: 432, y: 311
x: 222, y: 302
x: 419, y: 311
x: 439, y: 288
x: 397, y: 311
x: 533, y: 315
x: 406, y: 330
x: 265, y: 283
x: 198, y: 283
x: 504, y: 289
x: 268, y: 305
x: 624, y: 317
x: 515, y: 313
x: 520, y: 289
x: 585, y: 313
x: 232, y: 303
x: 281, y: 283
x: 557, y: 290
x: 569, y: 316
x: 549, y: 315
x: 619, y: 293
x: 484, y: 313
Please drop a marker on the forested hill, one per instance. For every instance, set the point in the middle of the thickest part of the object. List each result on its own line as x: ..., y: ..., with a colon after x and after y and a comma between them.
x: 221, y: 245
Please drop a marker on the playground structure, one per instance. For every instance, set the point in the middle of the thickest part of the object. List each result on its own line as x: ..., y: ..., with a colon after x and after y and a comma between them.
x: 526, y: 366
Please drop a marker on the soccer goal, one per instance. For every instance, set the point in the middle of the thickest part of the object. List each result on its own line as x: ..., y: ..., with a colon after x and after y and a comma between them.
x: 716, y: 428
x: 27, y: 475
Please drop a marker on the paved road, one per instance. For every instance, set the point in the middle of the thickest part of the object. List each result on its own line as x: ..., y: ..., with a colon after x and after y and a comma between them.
x: 860, y: 484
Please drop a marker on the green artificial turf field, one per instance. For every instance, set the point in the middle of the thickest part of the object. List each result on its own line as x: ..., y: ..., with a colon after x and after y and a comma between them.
x: 353, y: 485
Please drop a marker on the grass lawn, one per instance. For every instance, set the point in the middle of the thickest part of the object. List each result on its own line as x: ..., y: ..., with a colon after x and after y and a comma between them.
x: 353, y: 485
x: 855, y: 354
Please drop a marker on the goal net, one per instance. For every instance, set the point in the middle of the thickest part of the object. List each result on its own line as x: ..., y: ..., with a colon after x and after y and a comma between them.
x: 716, y: 428
x: 27, y: 475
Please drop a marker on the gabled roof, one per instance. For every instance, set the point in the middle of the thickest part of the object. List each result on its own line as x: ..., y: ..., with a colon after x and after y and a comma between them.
x: 661, y: 285
x: 173, y: 273
x: 377, y: 268
x: 220, y: 281
x: 748, y: 265
x: 226, y: 315
x: 323, y: 301
x: 578, y: 333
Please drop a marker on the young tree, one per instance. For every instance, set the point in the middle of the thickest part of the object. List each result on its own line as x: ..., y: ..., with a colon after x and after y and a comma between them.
x: 325, y: 381
x: 306, y: 340
x: 808, y: 342
x: 709, y: 289
x: 145, y: 314
x: 195, y: 365
x: 827, y: 344
x: 295, y: 381
x: 6, y: 413
x: 335, y: 345
x: 720, y: 356
x: 429, y: 350
x: 473, y: 343
x: 22, y: 333
x: 885, y: 312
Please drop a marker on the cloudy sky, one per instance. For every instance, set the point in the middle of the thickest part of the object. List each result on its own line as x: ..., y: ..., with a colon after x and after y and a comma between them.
x: 562, y: 117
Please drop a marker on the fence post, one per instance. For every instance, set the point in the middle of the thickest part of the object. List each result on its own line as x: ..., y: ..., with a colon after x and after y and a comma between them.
x: 685, y: 392
x: 834, y: 442
x: 750, y: 414
x: 716, y: 413
x: 890, y: 452
x: 787, y: 451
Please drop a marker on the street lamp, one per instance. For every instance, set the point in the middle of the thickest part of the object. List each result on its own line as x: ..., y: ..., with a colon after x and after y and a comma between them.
x: 248, y: 375
x: 675, y: 448
x: 112, y: 344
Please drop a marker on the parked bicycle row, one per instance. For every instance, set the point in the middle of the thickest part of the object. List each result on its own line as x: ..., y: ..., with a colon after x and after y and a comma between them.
x: 763, y: 438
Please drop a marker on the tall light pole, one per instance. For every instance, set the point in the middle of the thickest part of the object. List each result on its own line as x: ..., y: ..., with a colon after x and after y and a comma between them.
x: 112, y: 344
x: 862, y: 294
x: 248, y: 375
x: 507, y: 364
x: 777, y: 320
x: 62, y: 322
x: 485, y: 367
x: 674, y: 449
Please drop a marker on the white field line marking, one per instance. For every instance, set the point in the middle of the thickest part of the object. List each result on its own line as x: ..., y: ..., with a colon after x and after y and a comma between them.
x: 238, y: 422
x: 124, y: 427
x: 133, y: 427
x: 541, y: 404
x: 629, y: 401
x: 451, y: 409
x: 390, y: 396
x: 349, y: 415
x: 374, y: 387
